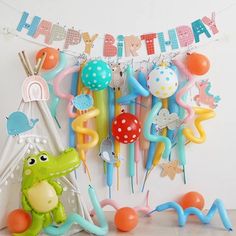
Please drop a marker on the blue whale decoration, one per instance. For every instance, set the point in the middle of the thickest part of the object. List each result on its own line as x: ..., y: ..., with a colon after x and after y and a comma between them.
x: 18, y: 123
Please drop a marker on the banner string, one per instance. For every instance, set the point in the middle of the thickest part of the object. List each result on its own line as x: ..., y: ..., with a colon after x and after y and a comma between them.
x: 7, y: 31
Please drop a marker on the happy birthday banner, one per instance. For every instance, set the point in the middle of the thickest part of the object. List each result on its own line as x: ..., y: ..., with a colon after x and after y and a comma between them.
x: 120, y: 46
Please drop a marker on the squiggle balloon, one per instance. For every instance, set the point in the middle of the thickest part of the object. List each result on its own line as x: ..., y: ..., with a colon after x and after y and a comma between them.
x: 85, y: 224
x: 109, y: 202
x: 205, y: 219
x: 54, y: 100
x: 78, y: 127
x: 184, y: 90
x: 153, y: 138
x: 202, y: 114
x: 59, y: 93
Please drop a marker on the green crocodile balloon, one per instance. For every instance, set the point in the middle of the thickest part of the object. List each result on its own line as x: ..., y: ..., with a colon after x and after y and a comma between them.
x: 40, y: 191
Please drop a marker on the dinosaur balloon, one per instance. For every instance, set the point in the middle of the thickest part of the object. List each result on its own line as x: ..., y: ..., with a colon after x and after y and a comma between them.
x: 40, y: 191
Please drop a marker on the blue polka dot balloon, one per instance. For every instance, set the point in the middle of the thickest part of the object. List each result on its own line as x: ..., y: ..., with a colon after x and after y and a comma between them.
x: 96, y: 75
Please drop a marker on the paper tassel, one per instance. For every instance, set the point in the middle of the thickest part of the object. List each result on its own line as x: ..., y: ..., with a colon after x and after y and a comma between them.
x: 173, y: 42
x: 88, y: 41
x: 73, y: 37
x: 120, y: 45
x: 30, y: 27
x: 210, y: 22
x: 132, y: 45
x: 149, y: 40
x: 109, y: 49
x: 58, y: 33
x: 185, y: 35
x: 44, y: 28
x: 198, y: 29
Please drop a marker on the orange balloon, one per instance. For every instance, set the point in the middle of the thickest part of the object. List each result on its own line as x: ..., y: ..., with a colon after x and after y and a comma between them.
x: 52, y: 57
x: 197, y: 64
x: 192, y: 199
x: 18, y: 221
x: 126, y: 219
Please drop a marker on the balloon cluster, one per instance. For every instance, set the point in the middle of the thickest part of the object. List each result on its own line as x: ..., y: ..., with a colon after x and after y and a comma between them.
x: 171, y: 114
x: 157, y: 97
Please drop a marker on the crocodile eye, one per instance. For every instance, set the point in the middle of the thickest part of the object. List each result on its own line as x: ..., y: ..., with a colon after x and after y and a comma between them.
x: 31, y: 161
x: 43, y: 158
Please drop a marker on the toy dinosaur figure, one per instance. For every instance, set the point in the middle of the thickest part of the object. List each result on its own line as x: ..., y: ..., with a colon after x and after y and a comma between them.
x: 40, y: 192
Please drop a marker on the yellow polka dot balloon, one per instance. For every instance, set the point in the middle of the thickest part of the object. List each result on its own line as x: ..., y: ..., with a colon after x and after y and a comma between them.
x: 162, y: 82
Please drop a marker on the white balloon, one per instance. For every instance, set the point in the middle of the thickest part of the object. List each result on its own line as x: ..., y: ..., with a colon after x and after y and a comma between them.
x: 162, y: 82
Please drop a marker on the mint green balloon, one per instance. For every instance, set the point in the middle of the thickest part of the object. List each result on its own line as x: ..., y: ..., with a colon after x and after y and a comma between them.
x: 96, y: 75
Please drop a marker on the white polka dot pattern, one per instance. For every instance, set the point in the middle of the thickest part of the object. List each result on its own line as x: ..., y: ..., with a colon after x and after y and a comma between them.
x: 96, y: 75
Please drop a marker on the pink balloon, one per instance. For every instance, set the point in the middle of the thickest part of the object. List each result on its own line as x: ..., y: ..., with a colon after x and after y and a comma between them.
x: 59, y: 93
x: 109, y: 202
x: 185, y: 89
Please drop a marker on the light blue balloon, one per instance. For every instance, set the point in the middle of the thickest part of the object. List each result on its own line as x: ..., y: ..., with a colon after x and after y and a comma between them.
x: 205, y: 219
x: 96, y: 75
x: 153, y: 138
x: 83, y: 102
x: 87, y: 225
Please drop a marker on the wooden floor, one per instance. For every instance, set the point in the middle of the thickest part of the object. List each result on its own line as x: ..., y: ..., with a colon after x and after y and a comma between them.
x: 165, y: 224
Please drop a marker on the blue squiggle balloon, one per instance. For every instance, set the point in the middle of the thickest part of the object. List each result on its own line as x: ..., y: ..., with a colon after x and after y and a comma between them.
x: 153, y: 138
x: 205, y: 219
x: 136, y: 89
x: 85, y: 224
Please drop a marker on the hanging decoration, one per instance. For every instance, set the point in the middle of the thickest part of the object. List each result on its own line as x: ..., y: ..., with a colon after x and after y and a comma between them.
x: 122, y: 45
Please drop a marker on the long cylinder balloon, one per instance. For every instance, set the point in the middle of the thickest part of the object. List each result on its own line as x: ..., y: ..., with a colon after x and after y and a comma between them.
x: 161, y: 146
x: 116, y: 143
x: 100, y: 102
x: 146, y: 104
x: 80, y: 138
x: 132, y: 151
x: 111, y: 112
x: 151, y: 150
x: 73, y: 91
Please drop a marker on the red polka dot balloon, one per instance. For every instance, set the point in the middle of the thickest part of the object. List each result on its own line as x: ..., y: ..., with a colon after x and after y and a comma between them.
x: 126, y: 128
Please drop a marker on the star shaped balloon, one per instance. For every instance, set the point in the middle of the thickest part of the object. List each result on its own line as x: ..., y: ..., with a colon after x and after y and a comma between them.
x: 170, y: 169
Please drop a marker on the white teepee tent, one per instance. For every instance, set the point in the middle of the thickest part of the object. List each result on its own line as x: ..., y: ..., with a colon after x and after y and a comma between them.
x: 44, y: 136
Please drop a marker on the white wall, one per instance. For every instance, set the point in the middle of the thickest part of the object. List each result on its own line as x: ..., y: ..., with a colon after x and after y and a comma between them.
x: 210, y: 166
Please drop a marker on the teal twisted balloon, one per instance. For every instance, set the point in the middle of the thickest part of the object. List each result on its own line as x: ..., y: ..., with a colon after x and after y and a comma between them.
x: 49, y: 76
x: 205, y: 219
x: 153, y: 138
x: 83, y: 223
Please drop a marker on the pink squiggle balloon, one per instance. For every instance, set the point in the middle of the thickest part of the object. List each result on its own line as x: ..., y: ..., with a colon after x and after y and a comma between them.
x: 109, y: 202
x: 66, y: 96
x: 185, y: 89
x: 106, y: 202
